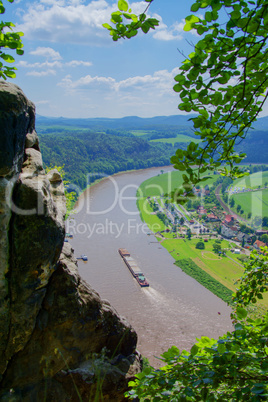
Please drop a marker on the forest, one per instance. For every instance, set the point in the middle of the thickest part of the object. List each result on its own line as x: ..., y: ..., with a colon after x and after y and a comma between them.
x: 87, y: 146
x: 96, y: 153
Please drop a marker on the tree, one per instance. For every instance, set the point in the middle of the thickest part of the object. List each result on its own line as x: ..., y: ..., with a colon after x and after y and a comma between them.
x: 196, y: 204
x: 232, y: 202
x: 200, y: 245
x: 189, y: 234
x: 216, y: 247
x: 224, y: 80
x: 8, y: 40
x: 264, y: 238
x: 265, y: 221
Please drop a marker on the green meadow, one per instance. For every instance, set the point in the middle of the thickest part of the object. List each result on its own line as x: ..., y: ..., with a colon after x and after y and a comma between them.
x: 179, y: 138
x: 223, y: 269
x: 140, y: 133
x: 255, y: 202
x: 149, y: 216
x: 252, y: 181
x: 165, y: 183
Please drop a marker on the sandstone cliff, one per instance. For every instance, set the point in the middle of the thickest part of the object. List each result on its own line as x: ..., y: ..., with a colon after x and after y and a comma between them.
x: 59, y: 341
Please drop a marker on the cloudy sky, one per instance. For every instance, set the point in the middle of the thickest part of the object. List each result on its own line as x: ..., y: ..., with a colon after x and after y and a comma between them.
x: 72, y: 68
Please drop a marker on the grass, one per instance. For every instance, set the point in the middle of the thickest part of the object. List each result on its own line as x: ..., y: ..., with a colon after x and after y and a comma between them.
x: 255, y: 202
x: 222, y: 269
x: 252, y: 181
x: 179, y: 138
x: 165, y: 183
x: 147, y: 215
x: 140, y: 133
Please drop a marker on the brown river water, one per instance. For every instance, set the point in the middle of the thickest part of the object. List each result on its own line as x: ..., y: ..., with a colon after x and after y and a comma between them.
x: 175, y: 309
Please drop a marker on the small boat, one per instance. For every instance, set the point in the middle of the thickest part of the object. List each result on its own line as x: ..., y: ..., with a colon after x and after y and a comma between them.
x: 69, y: 235
x: 133, y: 267
x: 83, y: 257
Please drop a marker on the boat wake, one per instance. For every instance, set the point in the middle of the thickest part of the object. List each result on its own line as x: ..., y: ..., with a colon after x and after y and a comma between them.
x: 155, y: 296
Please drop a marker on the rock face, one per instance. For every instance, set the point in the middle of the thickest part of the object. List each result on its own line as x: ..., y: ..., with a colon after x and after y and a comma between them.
x: 58, y: 339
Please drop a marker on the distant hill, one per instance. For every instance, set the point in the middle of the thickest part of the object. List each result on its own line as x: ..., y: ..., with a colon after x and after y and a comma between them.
x: 166, y: 127
x: 131, y: 122
x: 124, y: 123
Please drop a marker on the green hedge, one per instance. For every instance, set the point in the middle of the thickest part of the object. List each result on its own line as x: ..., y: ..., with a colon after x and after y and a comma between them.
x: 193, y: 270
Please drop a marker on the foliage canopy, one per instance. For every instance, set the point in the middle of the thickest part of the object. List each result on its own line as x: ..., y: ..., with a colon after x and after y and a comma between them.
x: 224, y: 80
x: 8, y: 40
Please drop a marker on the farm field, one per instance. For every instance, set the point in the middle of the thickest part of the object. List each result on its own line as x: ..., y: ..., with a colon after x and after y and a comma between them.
x: 179, y: 138
x: 252, y: 181
x: 140, y: 133
x: 223, y: 269
x: 255, y: 202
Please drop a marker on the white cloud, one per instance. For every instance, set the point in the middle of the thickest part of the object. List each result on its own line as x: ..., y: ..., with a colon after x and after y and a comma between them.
x: 74, y: 21
x: 50, y: 67
x: 46, y: 64
x: 41, y: 73
x: 161, y: 80
x: 67, y: 22
x: 76, y: 63
x: 86, y: 81
x: 173, y: 33
x: 46, y: 52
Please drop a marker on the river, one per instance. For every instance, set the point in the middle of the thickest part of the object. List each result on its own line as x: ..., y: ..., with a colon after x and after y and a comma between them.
x: 175, y: 309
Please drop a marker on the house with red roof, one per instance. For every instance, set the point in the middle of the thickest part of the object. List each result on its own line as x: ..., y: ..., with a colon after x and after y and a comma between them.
x: 229, y: 220
x: 258, y: 244
x: 212, y: 218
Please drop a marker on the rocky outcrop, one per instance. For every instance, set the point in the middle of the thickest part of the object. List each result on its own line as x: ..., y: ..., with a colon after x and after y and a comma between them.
x: 59, y: 340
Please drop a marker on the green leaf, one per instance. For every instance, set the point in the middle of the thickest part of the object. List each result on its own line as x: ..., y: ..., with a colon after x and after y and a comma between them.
x: 122, y: 5
x: 208, y: 16
x: 7, y: 57
x: 116, y: 16
x: 195, y: 7
x: 221, y: 348
x: 107, y: 26
x: 241, y: 313
x: 190, y: 21
x: 194, y: 350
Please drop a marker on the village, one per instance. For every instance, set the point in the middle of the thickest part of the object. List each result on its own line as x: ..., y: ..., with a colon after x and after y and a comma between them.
x: 196, y: 220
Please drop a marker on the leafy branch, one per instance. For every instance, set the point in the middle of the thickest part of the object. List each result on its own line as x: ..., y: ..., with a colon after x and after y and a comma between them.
x: 224, y: 80
x: 123, y: 30
x: 8, y: 40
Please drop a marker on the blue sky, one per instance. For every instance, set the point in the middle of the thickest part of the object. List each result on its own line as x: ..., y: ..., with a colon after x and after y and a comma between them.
x: 72, y: 68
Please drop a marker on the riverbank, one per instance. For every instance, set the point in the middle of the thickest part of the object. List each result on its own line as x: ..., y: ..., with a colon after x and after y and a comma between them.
x: 175, y: 309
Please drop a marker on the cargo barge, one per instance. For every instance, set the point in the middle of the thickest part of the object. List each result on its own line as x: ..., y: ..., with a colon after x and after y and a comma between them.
x: 133, y: 267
